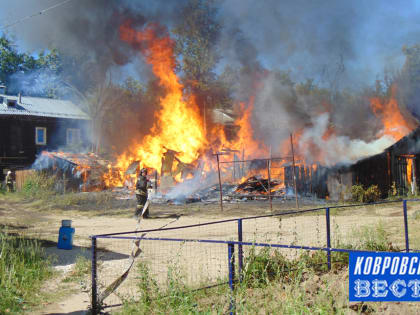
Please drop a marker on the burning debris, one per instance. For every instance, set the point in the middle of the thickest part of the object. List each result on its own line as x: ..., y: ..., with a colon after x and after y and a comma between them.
x: 80, y: 172
x: 255, y: 184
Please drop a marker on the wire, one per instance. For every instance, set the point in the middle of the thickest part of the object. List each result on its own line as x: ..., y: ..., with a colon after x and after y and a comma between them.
x: 35, y: 14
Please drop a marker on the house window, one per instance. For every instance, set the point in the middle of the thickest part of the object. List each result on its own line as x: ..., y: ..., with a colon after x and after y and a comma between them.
x: 41, y: 135
x: 73, y: 136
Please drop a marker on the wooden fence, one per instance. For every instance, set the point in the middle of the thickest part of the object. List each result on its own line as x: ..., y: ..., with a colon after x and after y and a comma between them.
x: 21, y: 177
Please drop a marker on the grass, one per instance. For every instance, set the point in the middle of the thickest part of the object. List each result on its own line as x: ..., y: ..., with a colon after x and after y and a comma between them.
x: 40, y: 189
x: 176, y: 298
x: 23, y: 268
x: 81, y: 270
x: 87, y: 202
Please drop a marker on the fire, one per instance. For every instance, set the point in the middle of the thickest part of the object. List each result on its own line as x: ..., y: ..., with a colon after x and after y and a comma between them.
x: 179, y: 128
x: 409, y: 170
x: 178, y: 125
x: 396, y: 123
x: 244, y: 141
x: 245, y: 135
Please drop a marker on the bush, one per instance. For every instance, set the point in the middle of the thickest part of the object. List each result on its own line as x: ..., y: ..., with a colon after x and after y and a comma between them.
x: 371, y: 194
x: 263, y: 267
x: 357, y: 193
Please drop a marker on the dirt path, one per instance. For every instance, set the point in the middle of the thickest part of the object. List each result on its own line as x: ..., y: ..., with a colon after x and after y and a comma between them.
x: 301, y: 230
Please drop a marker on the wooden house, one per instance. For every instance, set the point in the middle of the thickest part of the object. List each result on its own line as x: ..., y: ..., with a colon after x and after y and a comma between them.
x: 29, y: 125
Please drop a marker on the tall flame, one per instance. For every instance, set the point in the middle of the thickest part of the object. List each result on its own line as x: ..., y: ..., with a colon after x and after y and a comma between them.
x: 178, y: 125
x: 245, y: 139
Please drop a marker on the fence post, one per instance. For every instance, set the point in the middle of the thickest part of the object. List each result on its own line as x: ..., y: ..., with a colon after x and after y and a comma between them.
x: 95, y: 307
x: 327, y: 217
x: 220, y: 182
x: 240, y: 250
x: 407, y: 246
x: 269, y: 183
x: 231, y: 257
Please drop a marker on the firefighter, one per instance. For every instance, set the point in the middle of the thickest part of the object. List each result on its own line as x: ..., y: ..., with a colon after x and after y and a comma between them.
x: 9, y: 181
x: 141, y: 193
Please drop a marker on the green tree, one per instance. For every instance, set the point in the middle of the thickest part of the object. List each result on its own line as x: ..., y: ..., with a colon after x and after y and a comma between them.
x: 196, y: 38
x: 10, y: 60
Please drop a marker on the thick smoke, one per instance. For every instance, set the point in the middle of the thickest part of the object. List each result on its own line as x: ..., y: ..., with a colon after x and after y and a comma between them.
x: 84, y: 30
x: 312, y: 37
x: 341, y: 45
x: 280, y: 110
x: 307, y: 37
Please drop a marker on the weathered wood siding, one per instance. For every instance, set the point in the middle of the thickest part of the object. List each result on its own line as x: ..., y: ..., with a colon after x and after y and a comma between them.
x: 21, y: 177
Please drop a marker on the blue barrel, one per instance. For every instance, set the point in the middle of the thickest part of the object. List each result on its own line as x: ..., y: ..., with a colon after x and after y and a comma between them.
x: 65, y: 235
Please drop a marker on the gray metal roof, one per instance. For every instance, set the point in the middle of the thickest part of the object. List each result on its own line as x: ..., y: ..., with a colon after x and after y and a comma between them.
x: 41, y: 107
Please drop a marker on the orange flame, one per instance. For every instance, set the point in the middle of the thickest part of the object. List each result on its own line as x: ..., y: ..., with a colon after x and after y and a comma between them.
x: 245, y: 135
x: 178, y: 125
x: 396, y: 123
x: 409, y: 170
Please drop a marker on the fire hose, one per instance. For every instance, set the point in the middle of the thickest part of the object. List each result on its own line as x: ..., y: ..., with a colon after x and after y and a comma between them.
x: 135, y: 252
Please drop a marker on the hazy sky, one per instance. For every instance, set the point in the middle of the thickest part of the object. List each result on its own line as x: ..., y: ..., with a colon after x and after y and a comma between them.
x: 308, y: 37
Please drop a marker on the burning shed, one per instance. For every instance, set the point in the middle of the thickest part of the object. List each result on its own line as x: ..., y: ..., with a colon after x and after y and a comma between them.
x: 396, y: 168
x: 30, y: 125
x: 77, y: 172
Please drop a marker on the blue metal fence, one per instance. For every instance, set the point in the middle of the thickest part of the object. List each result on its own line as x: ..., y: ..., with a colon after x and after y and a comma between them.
x: 239, y: 243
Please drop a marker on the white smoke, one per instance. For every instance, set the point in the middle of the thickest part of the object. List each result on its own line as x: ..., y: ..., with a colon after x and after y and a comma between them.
x: 193, y: 185
x: 338, y: 149
x: 39, y: 82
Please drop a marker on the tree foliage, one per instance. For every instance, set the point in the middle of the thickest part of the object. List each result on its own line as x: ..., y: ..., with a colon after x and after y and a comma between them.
x: 10, y: 60
x: 28, y: 73
x: 196, y: 37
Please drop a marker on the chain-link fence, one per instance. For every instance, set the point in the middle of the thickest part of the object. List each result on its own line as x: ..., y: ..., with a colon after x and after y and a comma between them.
x: 271, y: 179
x: 197, y: 254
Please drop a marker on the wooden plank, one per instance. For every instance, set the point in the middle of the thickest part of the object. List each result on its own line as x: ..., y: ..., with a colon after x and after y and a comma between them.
x: 21, y: 177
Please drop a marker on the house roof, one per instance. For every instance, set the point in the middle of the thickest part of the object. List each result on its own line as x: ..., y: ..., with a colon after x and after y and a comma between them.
x: 41, y: 107
x: 410, y: 144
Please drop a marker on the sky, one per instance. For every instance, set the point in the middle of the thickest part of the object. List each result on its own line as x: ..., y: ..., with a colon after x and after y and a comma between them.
x: 309, y: 38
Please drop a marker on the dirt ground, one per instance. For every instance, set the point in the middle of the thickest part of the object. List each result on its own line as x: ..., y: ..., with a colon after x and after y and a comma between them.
x: 200, y: 263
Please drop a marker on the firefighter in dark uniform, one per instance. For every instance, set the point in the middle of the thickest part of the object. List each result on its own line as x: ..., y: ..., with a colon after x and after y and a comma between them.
x: 141, y: 193
x: 9, y: 181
